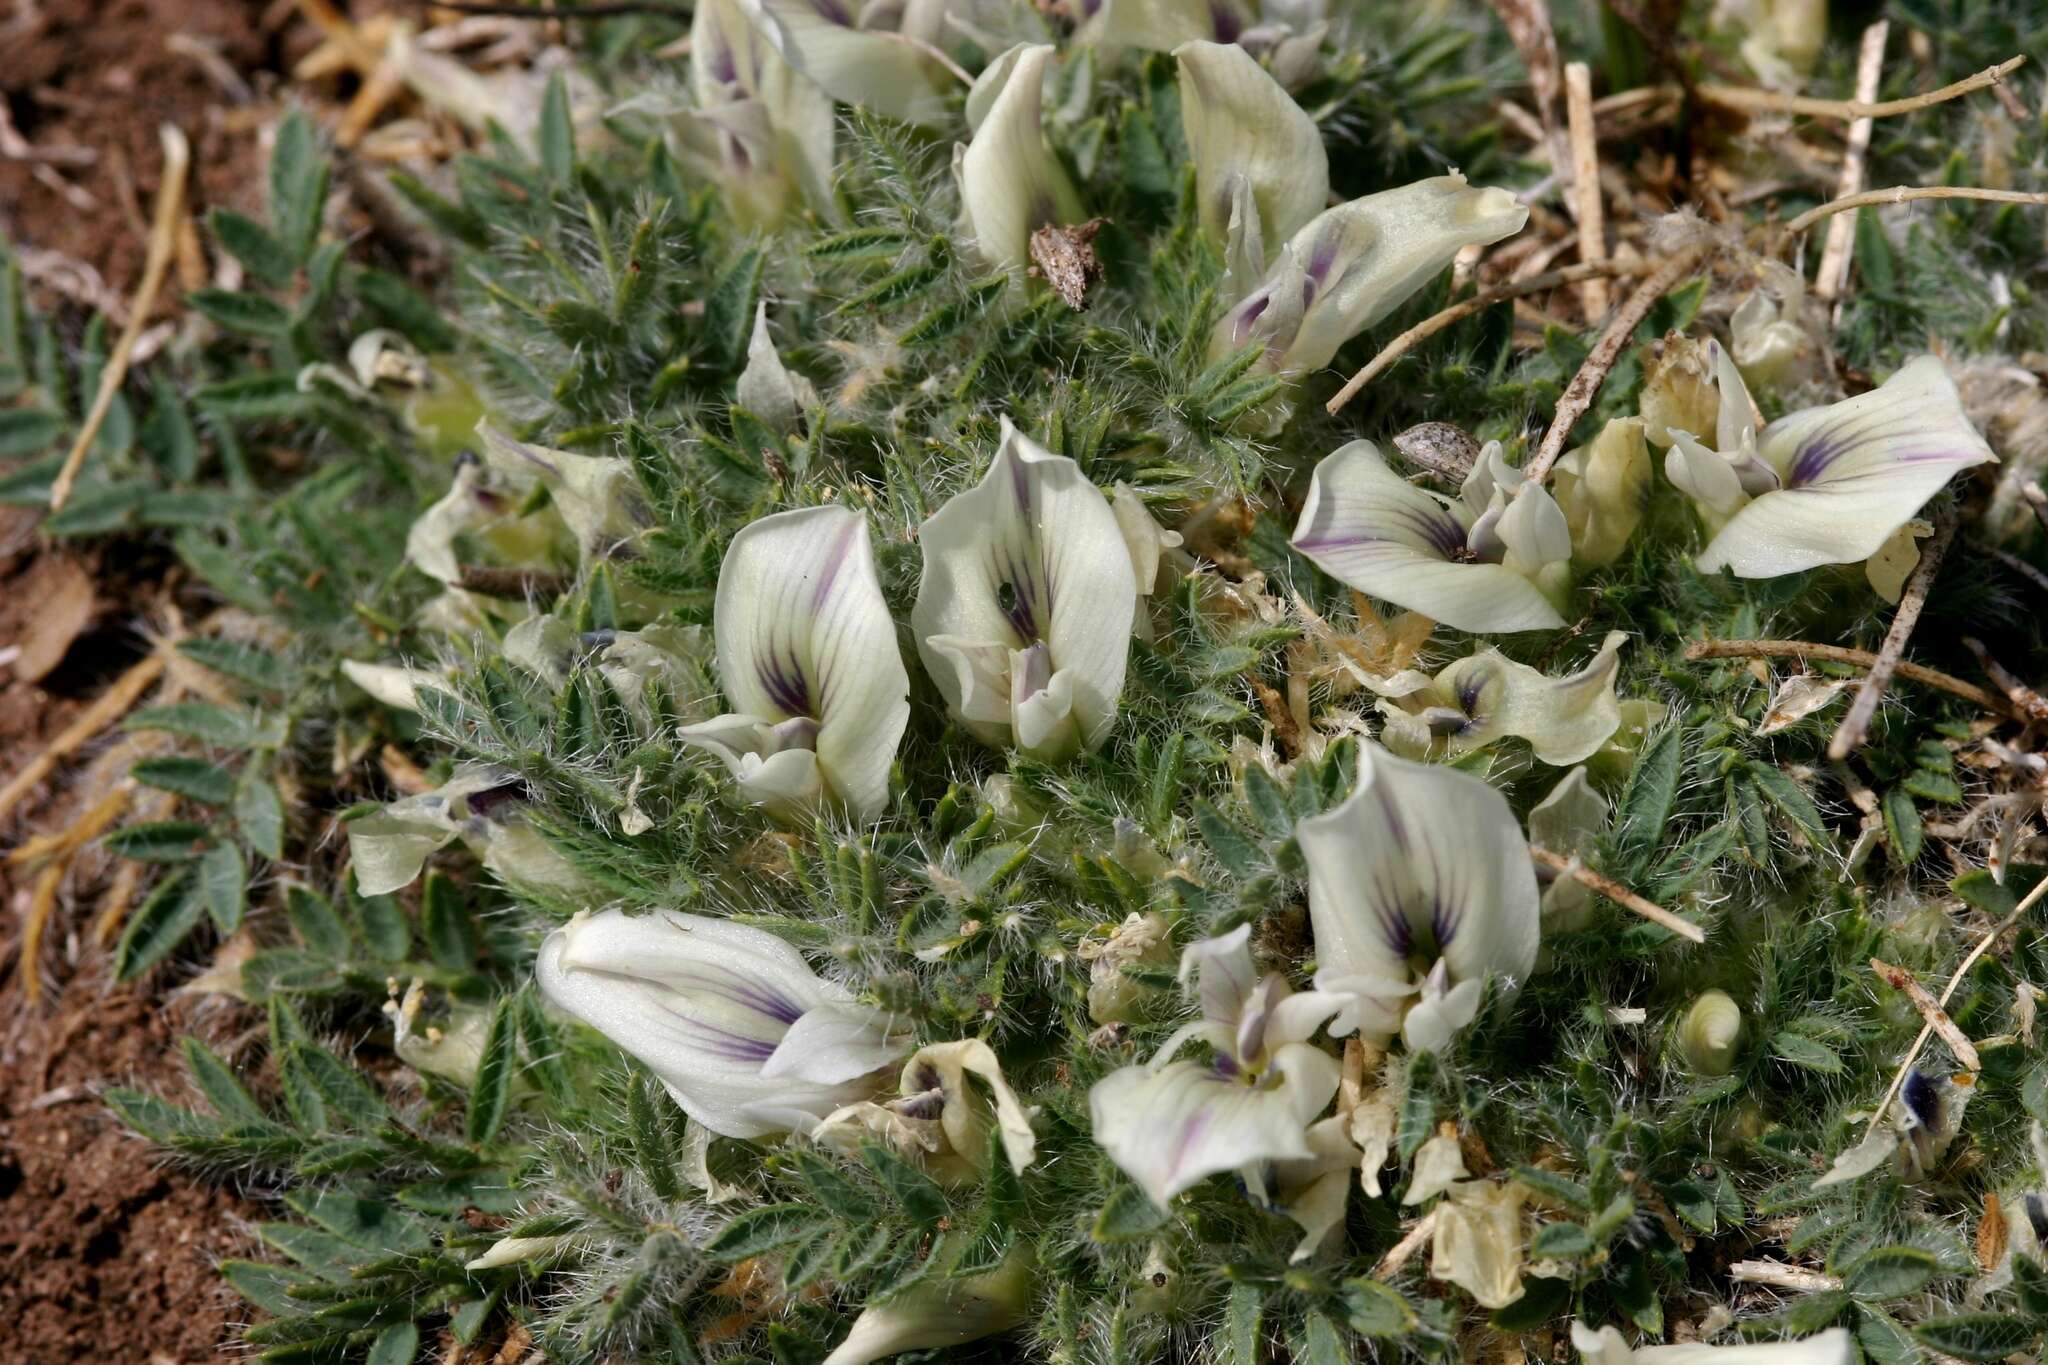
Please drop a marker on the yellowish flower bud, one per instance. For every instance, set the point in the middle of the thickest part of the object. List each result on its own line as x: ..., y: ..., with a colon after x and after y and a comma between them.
x: 1711, y: 1033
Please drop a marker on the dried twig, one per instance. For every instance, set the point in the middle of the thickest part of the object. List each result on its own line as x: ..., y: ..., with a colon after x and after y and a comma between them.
x: 1906, y: 194
x: 1927, y: 1030
x: 1773, y: 102
x: 1578, y: 395
x: 1781, y: 1276
x: 1528, y: 25
x: 163, y: 241
x: 1587, y: 203
x: 2018, y: 566
x: 1842, y: 654
x: 1856, y: 724
x: 1834, y: 261
x: 104, y: 711
x: 2025, y: 700
x: 1406, y: 1247
x: 1616, y: 892
x: 1899, y: 979
x: 1430, y: 326
x: 514, y: 584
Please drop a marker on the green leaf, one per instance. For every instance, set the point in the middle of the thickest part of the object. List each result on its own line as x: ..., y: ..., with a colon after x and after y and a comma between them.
x: 263, y: 1283
x: 239, y: 311
x: 398, y: 1344
x: 1809, y: 1054
x: 1322, y: 1343
x: 1237, y: 1339
x: 1903, y: 826
x: 318, y: 927
x: 1375, y: 1309
x: 216, y: 1080
x: 1128, y: 1215
x: 403, y: 307
x: 492, y: 1087
x: 298, y: 185
x: 259, y: 814
x: 557, y: 134
x: 729, y: 311
x: 28, y: 431
x: 2030, y: 1283
x: 224, y: 727
x: 157, y: 841
x: 1651, y: 792
x: 1887, y: 1272
x: 918, y: 1195
x: 221, y: 886
x: 1977, y: 1336
x: 1418, y: 1105
x: 445, y: 924
x: 762, y: 1230
x: 653, y: 1136
x: 1564, y: 1240
x: 192, y: 778
x: 1791, y: 799
x: 244, y: 663
x: 254, y: 245
x: 344, y: 1093
x: 158, y: 925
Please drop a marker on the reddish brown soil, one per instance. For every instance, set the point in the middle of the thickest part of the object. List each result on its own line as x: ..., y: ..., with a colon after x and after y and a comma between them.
x: 105, y: 1254
x: 91, y: 80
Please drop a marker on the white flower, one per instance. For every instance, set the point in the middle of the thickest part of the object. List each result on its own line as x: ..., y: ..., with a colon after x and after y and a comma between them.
x: 512, y: 1250
x: 1260, y: 170
x: 451, y: 1049
x: 891, y: 71
x: 940, y: 1310
x: 1024, y: 614
x: 483, y: 504
x: 1170, y: 1124
x: 730, y: 1018
x: 1478, y: 1244
x: 1488, y: 696
x: 597, y: 496
x: 1924, y: 1119
x: 1607, y: 1347
x: 395, y: 686
x: 760, y: 128
x: 1827, y: 485
x: 941, y: 1115
x: 1010, y: 182
x: 1768, y: 334
x: 808, y: 658
x: 1311, y: 1190
x: 1354, y: 264
x: 1604, y: 489
x: 1419, y: 887
x: 766, y: 388
x: 1497, y: 558
x: 481, y: 806
x: 1567, y: 821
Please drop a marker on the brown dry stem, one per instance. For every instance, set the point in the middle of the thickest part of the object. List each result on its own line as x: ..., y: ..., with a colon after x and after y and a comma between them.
x: 1849, y: 735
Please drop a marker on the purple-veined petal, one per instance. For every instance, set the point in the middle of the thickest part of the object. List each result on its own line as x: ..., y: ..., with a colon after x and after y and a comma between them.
x: 1360, y: 261
x: 704, y: 1003
x: 1010, y: 182
x: 1170, y: 1128
x: 1250, y: 142
x: 1370, y: 529
x: 830, y: 1044
x: 1421, y: 865
x: 877, y: 70
x: 1853, y: 473
x: 1030, y: 555
x: 803, y: 632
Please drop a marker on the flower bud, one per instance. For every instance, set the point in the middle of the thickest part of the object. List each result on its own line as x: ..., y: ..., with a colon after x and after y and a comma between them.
x: 940, y: 1310
x: 1710, y: 1034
